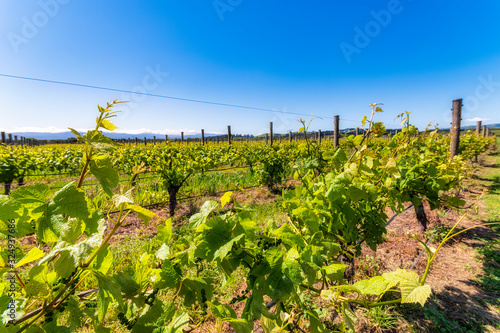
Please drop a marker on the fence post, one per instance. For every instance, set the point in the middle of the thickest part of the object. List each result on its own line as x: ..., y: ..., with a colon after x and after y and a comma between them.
x: 154, y: 139
x: 357, y: 131
x: 484, y: 130
x: 335, y: 131
x: 229, y: 134
x: 319, y: 136
x: 10, y: 139
x: 182, y: 137
x: 271, y: 132
x: 202, y: 136
x: 455, y: 126
x: 145, y: 141
x: 478, y: 127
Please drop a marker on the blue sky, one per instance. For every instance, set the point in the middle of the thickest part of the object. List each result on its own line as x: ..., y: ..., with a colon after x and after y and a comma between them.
x: 323, y: 58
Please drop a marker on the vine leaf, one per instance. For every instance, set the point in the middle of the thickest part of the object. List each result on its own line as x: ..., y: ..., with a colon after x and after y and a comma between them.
x: 226, y: 313
x: 71, y: 201
x: 199, y: 218
x: 109, y: 291
x: 104, y: 260
x: 102, y: 168
x: 409, y: 283
x: 349, y: 316
x: 316, y: 325
x: 144, y: 214
x: 226, y: 198
x: 71, y: 255
x: 32, y: 196
x: 34, y: 254
x: 108, y: 125
x: 120, y: 198
x: 169, y: 277
x: 375, y: 286
x: 165, y: 231
x: 178, y: 324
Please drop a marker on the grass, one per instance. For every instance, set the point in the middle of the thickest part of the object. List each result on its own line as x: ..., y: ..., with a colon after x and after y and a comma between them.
x: 490, y: 252
x: 433, y: 316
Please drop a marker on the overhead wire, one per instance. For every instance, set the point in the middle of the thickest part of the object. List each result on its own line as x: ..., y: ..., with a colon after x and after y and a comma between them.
x: 192, y: 100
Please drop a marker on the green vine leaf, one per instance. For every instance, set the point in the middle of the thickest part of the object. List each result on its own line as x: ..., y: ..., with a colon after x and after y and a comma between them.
x: 201, y: 217
x: 109, y: 291
x: 34, y: 254
x: 375, y: 286
x: 144, y: 214
x: 102, y: 168
x: 71, y: 201
x: 178, y: 324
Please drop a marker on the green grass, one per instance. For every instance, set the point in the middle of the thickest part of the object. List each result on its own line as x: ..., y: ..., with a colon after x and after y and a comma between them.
x: 490, y: 279
x: 433, y: 316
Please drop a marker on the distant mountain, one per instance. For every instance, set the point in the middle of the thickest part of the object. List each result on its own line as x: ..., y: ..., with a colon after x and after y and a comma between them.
x: 112, y: 135
x: 497, y: 125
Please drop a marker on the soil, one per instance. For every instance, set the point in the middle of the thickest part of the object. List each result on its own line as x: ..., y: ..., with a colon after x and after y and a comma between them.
x: 453, y: 275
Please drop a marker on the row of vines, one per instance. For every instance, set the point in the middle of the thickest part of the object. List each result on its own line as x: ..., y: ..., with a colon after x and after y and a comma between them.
x: 338, y: 207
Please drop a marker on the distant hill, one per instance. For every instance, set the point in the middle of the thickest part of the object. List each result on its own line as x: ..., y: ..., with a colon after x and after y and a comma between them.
x: 112, y: 135
x: 497, y: 125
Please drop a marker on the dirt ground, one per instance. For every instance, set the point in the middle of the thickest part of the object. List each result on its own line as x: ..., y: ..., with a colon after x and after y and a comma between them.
x: 453, y: 276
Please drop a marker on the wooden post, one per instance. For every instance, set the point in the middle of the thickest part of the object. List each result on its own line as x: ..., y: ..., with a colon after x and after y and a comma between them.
x: 478, y: 127
x: 489, y: 131
x: 10, y: 139
x: 15, y: 139
x: 336, y: 131
x: 145, y: 141
x: 3, y: 138
x: 166, y: 138
x: 271, y: 132
x: 455, y: 126
x: 202, y: 136
x: 229, y: 134
x: 484, y: 130
x: 154, y: 139
x: 182, y: 137
x: 136, y: 141
x: 357, y: 131
x: 319, y: 136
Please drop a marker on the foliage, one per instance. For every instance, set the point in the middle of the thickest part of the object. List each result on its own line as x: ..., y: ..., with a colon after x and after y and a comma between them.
x: 330, y: 216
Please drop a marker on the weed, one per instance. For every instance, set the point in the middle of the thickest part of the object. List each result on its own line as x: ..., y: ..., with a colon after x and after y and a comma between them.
x: 382, y: 318
x: 369, y: 266
x: 437, y: 233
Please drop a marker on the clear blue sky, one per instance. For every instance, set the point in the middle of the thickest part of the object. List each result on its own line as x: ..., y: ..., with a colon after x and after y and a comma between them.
x: 313, y: 57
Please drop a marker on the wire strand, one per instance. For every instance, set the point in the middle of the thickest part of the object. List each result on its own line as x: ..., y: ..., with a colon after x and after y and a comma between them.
x: 160, y: 96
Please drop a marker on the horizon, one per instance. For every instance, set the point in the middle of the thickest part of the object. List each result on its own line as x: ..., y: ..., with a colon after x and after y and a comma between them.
x: 190, y: 66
